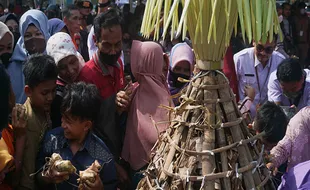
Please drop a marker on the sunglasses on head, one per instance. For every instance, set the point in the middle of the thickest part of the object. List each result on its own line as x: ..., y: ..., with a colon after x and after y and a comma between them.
x: 261, y: 48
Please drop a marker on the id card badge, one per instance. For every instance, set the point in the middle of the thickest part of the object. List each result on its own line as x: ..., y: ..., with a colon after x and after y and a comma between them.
x: 301, y: 33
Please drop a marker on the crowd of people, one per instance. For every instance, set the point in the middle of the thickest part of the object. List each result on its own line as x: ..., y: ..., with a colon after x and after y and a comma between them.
x: 88, y: 87
x: 271, y: 81
x: 69, y: 89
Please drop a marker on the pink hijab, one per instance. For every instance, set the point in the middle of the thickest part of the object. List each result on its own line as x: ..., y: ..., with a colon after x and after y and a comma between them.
x: 141, y: 135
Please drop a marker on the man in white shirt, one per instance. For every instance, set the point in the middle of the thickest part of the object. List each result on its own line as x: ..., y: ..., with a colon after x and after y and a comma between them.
x: 253, y: 68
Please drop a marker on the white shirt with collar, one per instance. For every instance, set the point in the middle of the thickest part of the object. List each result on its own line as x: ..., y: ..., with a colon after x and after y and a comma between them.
x: 246, y: 66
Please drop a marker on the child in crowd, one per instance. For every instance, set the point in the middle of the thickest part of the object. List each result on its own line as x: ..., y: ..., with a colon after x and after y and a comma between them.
x: 76, y: 142
x: 40, y: 78
x: 271, y: 119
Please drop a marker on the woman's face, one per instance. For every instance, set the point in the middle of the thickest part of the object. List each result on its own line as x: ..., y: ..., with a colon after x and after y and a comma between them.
x: 68, y: 68
x: 34, y: 40
x: 12, y: 25
x: 6, y: 44
x: 183, y: 67
x: 32, y: 32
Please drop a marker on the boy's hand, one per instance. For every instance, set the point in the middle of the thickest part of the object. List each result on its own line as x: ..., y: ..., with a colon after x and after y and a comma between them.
x: 19, y: 120
x: 97, y: 185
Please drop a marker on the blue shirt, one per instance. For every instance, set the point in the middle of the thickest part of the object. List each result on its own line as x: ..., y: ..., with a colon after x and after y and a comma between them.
x: 93, y: 149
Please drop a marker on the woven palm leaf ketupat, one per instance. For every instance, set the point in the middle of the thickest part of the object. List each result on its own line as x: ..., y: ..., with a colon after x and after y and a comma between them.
x: 208, y: 145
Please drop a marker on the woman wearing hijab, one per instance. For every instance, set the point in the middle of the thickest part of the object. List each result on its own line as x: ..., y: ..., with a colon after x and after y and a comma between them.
x: 150, y: 70
x: 34, y: 34
x: 181, y: 65
x: 12, y: 23
x: 56, y: 25
x: 6, y: 44
x: 69, y: 62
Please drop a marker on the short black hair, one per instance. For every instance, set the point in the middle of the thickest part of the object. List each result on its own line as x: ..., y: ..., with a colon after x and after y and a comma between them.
x: 39, y: 68
x: 81, y: 100
x: 4, y: 97
x: 108, y: 19
x: 66, y: 12
x: 271, y: 119
x: 290, y: 70
x: 285, y: 4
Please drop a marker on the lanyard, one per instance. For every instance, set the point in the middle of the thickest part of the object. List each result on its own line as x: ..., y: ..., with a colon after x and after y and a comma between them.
x: 257, y: 79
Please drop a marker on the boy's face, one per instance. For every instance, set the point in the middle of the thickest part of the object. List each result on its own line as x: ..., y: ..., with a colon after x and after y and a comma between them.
x: 74, y: 127
x: 42, y: 95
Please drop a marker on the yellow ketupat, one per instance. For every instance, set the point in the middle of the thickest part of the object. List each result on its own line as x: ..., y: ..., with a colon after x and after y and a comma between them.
x: 56, y: 162
x: 89, y: 174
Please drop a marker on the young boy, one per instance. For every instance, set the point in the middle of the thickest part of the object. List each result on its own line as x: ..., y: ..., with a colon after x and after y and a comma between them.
x: 271, y: 119
x: 40, y: 73
x: 76, y: 142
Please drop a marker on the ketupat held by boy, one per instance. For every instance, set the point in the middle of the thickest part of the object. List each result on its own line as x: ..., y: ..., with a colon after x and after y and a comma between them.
x: 74, y: 141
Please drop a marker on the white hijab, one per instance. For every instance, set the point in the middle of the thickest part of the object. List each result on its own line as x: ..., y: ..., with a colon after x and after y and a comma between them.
x: 60, y: 46
x: 3, y: 30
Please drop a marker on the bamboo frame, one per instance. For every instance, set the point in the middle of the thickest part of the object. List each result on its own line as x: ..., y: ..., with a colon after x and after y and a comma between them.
x: 222, y: 133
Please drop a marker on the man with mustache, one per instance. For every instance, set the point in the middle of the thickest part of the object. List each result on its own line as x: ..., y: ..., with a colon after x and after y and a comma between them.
x: 105, y: 70
x: 253, y: 68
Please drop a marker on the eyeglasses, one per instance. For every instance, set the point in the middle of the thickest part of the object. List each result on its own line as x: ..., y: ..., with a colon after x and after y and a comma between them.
x: 261, y: 48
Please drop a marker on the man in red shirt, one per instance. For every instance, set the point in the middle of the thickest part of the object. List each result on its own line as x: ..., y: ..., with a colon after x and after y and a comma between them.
x: 105, y: 70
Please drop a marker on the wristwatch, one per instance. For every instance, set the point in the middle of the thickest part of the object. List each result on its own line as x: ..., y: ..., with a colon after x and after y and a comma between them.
x: 103, y: 5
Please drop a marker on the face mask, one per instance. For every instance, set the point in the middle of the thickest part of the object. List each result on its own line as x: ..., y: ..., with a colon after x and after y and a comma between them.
x: 174, y: 78
x: 280, y: 18
x: 292, y: 95
x: 35, y: 45
x: 302, y: 11
x: 109, y: 59
x: 5, y: 59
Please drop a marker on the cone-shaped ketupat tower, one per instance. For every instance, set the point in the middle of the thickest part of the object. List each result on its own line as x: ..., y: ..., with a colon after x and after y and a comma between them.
x: 208, y: 145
